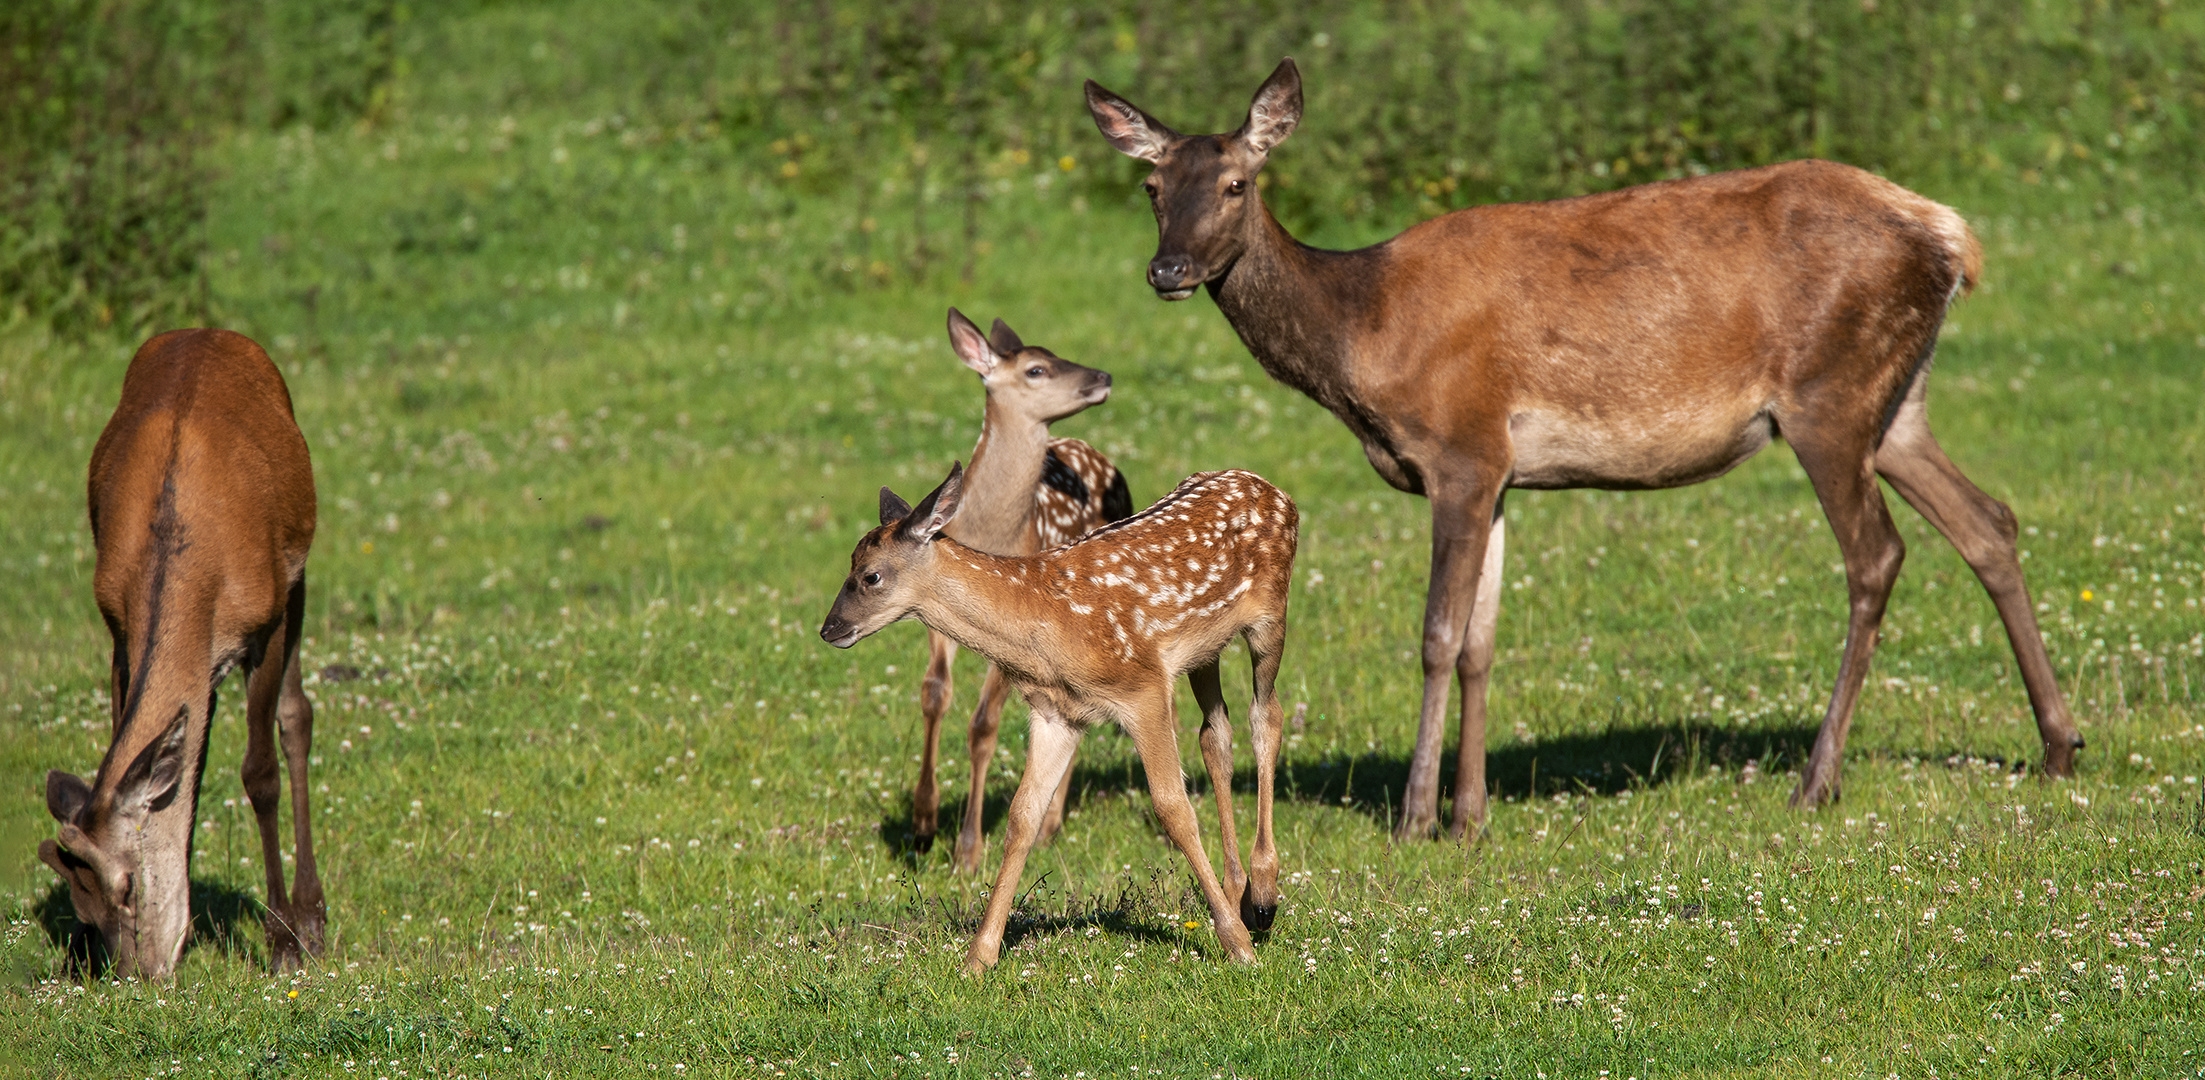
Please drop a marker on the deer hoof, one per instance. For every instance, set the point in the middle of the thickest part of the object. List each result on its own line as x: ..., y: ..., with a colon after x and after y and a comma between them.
x: 1259, y: 917
x: 922, y: 843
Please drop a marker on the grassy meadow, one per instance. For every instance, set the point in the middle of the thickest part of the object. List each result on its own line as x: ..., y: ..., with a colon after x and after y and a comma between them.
x: 598, y: 403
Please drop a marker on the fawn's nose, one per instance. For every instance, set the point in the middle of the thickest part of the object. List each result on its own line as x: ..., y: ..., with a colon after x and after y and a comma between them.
x: 1169, y: 272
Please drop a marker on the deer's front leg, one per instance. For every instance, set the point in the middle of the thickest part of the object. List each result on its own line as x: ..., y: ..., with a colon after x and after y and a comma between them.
x: 972, y: 841
x: 934, y: 695
x: 1048, y: 757
x: 1472, y: 671
x: 1462, y: 517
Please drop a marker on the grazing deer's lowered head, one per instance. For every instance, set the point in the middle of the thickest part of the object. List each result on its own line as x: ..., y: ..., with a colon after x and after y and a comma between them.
x: 125, y: 879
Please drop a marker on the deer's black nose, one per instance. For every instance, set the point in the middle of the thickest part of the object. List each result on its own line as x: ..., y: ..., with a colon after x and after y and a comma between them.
x: 1169, y: 272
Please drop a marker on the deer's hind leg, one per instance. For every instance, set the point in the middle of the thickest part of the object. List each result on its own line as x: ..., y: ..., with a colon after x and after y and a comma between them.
x: 1259, y: 904
x: 277, y: 713
x: 1217, y: 759
x: 972, y: 842
x: 1838, y: 462
x: 1984, y: 531
x: 934, y: 695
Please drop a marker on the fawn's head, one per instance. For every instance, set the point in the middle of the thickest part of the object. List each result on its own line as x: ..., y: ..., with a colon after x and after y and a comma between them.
x: 1204, y: 187
x: 889, y: 563
x: 123, y: 878
x: 1028, y: 380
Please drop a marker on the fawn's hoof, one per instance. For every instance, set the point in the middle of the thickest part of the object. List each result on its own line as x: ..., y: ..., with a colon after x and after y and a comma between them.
x: 922, y: 843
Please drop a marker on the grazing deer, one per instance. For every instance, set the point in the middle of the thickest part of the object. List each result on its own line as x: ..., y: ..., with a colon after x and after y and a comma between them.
x: 1097, y: 630
x: 202, y: 506
x: 1024, y: 492
x: 1645, y: 338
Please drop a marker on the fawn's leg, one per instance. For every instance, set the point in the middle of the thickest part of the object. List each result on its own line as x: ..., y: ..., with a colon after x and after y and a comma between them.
x: 1217, y: 758
x: 934, y: 695
x: 1048, y: 758
x: 972, y: 842
x: 1156, y: 733
x: 1266, y: 644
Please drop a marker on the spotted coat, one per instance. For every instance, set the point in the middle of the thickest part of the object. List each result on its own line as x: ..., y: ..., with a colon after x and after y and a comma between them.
x: 1080, y: 491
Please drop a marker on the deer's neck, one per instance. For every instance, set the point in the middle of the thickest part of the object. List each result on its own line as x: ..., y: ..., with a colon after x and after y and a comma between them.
x: 1299, y: 309
x: 991, y: 604
x: 998, y: 509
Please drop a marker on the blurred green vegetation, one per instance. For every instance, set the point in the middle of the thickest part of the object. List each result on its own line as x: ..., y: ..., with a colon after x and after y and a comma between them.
x: 916, y: 115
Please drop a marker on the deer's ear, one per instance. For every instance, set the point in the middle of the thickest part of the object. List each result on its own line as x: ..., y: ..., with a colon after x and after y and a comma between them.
x: 935, y: 512
x: 971, y: 345
x: 1276, y: 110
x: 1135, y: 133
x: 892, y: 507
x: 159, y: 769
x: 1004, y: 338
x: 66, y: 796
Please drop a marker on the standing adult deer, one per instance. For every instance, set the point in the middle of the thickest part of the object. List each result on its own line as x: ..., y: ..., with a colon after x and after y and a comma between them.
x: 1645, y: 338
x: 202, y: 505
x: 1024, y: 492
x: 1098, y: 630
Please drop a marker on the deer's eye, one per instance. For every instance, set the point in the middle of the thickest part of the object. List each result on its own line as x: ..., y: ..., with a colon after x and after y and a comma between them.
x: 1236, y: 187
x: 1149, y: 186
x: 1035, y: 373
x: 872, y: 579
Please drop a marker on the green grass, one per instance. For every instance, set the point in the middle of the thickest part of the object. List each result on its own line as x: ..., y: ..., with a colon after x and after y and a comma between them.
x: 602, y: 802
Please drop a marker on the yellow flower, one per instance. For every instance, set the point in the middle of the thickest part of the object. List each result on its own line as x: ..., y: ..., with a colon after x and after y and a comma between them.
x: 1193, y: 925
x: 367, y: 547
x: 1067, y: 163
x: 293, y: 994
x: 2086, y: 594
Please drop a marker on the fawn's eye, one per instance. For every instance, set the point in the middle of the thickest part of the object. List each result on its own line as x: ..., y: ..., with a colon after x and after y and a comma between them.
x: 1236, y: 187
x: 1035, y: 373
x: 872, y: 579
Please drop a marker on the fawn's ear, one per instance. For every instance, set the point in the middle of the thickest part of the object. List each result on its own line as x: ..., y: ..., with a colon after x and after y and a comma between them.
x: 1004, y: 338
x: 935, y: 512
x: 1276, y: 110
x: 1134, y: 133
x: 971, y: 345
x: 892, y: 507
x: 159, y: 769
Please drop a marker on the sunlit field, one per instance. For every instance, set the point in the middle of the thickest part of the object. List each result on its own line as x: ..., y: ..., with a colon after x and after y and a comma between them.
x: 598, y: 407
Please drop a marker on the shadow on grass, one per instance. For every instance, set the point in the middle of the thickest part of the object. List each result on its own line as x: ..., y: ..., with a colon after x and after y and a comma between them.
x: 1599, y: 764
x: 222, y: 918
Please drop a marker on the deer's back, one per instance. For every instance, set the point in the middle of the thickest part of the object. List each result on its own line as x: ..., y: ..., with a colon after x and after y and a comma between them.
x: 201, y: 481
x: 1176, y: 581
x: 1639, y: 337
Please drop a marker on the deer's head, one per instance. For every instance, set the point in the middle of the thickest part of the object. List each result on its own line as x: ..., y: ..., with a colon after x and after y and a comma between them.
x: 1204, y: 186
x: 127, y: 877
x: 891, y: 562
x: 1026, y: 380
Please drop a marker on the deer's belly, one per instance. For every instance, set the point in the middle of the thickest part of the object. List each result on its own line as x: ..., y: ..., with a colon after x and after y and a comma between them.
x: 1669, y: 449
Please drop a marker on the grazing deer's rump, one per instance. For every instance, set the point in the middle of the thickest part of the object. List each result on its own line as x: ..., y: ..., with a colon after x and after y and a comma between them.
x: 1024, y: 492
x: 1642, y: 338
x: 1096, y: 631
x: 202, y: 505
